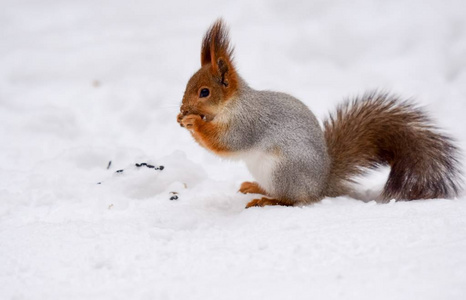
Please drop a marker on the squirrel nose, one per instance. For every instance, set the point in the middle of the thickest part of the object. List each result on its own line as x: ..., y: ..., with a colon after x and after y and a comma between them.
x: 184, y: 110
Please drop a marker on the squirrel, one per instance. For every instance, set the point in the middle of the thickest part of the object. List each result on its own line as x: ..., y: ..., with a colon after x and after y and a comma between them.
x: 294, y: 161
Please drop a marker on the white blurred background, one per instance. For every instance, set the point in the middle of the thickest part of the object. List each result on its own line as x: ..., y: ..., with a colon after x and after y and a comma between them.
x: 86, y: 82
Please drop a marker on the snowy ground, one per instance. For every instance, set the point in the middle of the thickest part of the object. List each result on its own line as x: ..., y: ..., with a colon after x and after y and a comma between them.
x: 83, y: 83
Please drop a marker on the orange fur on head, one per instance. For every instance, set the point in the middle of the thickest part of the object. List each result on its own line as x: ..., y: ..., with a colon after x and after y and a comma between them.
x: 217, y: 52
x: 209, y: 89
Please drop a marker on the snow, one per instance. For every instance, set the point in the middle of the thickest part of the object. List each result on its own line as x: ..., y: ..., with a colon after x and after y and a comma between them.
x: 86, y: 82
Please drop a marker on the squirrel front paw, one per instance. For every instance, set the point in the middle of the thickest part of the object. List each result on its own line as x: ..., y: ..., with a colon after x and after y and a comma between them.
x: 191, y: 121
x: 180, y: 117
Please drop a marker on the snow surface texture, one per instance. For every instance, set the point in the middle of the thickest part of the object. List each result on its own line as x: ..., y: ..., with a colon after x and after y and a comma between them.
x: 83, y: 83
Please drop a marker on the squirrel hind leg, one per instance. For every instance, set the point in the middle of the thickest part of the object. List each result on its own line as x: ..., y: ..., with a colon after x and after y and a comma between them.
x: 249, y: 187
x: 269, y: 201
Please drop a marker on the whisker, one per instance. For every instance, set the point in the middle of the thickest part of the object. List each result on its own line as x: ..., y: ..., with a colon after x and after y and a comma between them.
x: 168, y: 107
x: 174, y: 105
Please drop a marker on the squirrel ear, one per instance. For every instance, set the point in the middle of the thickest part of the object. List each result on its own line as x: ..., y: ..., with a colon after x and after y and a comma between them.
x: 217, y: 51
x: 206, y: 56
x: 223, y: 68
x: 215, y: 44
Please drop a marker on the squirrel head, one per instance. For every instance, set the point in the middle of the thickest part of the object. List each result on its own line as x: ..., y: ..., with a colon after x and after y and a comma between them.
x: 216, y: 82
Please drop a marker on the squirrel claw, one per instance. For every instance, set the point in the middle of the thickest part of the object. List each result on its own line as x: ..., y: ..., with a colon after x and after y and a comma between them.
x: 179, y: 118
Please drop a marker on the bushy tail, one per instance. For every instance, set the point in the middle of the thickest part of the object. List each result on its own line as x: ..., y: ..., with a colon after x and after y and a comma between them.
x: 378, y: 129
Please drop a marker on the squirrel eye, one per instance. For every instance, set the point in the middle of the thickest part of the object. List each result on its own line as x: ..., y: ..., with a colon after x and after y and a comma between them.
x: 204, y: 93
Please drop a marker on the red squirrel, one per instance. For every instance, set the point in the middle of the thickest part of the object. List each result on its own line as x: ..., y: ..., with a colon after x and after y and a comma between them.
x: 294, y: 161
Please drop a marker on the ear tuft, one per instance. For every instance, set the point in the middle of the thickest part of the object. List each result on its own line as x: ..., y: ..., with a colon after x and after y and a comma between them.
x: 216, y: 44
x: 217, y: 52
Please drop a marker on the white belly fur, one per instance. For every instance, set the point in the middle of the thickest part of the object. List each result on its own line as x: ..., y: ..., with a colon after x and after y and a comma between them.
x: 261, y: 165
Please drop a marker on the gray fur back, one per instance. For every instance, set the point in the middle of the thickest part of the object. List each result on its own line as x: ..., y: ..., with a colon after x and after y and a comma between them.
x: 279, y: 124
